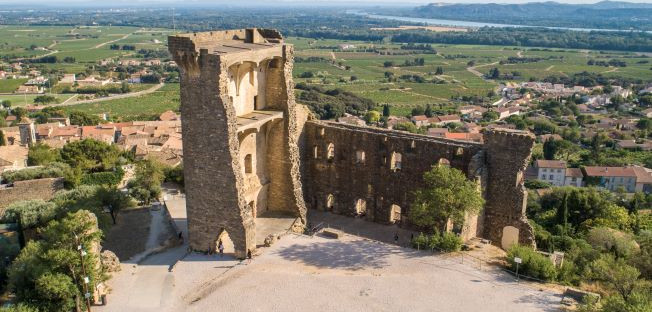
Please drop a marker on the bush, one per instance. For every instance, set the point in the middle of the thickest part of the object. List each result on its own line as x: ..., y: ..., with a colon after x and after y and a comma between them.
x: 30, y: 213
x: 54, y: 170
x: 111, y: 178
x: 447, y: 242
x: 533, y: 264
x: 537, y: 184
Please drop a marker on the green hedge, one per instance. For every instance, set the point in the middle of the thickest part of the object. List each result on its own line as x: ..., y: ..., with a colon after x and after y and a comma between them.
x: 103, y: 178
x: 54, y: 170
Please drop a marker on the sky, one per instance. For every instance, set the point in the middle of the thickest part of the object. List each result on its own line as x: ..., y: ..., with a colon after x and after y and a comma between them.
x: 117, y: 3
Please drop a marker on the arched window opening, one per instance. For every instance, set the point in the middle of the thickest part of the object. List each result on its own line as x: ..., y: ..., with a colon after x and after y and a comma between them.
x: 322, y: 131
x: 330, y: 202
x: 248, y: 164
x: 315, y: 151
x: 330, y: 152
x: 360, y: 207
x: 413, y: 145
x: 395, y: 216
x: 359, y: 157
x: 459, y: 151
x: 396, y: 161
x: 444, y: 162
x: 227, y: 244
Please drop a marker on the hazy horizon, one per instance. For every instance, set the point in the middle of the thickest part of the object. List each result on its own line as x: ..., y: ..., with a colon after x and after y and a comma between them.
x: 117, y: 3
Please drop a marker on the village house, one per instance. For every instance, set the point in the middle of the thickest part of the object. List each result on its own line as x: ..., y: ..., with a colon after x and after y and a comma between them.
x: 420, y: 120
x: 24, y: 89
x: 645, y: 145
x: 92, y: 81
x: 612, y: 178
x: 351, y: 120
x: 551, y: 171
x: 13, y: 157
x: 573, y: 177
x: 444, y: 120
x: 437, y: 132
x: 392, y: 121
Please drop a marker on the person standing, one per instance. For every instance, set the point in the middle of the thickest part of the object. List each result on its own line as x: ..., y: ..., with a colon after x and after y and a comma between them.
x: 220, y: 247
x: 248, y: 256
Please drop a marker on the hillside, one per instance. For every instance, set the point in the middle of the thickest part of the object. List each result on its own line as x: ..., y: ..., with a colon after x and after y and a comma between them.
x: 605, y: 14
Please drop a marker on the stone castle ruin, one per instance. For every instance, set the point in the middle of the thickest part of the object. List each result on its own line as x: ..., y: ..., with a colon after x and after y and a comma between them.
x: 250, y: 150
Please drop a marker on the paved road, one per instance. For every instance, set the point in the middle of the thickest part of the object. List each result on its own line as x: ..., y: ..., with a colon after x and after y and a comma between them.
x: 114, y: 97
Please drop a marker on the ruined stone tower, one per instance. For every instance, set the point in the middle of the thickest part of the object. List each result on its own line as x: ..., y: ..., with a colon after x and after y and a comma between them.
x: 240, y: 133
x: 248, y: 146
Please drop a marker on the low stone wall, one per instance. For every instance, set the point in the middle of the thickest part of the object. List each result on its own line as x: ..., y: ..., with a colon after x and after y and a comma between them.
x: 31, y: 189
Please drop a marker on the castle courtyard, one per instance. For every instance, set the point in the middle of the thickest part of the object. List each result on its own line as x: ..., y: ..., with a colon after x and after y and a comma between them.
x: 302, y: 273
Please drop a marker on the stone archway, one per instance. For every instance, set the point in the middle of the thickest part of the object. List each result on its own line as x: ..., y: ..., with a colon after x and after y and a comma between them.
x: 509, y: 237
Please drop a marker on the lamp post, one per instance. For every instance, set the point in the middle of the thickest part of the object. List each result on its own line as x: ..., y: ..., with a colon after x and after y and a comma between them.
x: 85, y: 280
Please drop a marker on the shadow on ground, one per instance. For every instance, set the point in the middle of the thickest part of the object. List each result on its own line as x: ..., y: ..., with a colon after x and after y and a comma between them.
x: 350, y: 255
x: 548, y: 303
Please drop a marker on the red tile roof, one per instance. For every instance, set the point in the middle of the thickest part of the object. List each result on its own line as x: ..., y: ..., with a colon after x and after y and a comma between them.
x: 609, y: 171
x: 559, y: 164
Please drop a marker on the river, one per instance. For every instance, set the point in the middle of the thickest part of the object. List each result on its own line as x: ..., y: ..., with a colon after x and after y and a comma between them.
x: 444, y: 22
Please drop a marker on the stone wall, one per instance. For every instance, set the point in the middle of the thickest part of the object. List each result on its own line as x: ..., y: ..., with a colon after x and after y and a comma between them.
x: 345, y: 182
x: 31, y: 189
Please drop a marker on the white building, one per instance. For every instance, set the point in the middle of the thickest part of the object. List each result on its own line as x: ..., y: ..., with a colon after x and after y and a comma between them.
x: 551, y: 171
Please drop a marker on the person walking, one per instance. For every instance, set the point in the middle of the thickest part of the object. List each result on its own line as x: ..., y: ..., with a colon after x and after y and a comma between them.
x: 248, y: 256
x: 396, y: 238
x: 220, y: 247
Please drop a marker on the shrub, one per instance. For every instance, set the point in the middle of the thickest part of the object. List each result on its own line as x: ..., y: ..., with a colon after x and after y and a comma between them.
x: 103, y: 178
x: 54, y: 170
x: 533, y: 264
x: 446, y: 242
x: 30, y: 213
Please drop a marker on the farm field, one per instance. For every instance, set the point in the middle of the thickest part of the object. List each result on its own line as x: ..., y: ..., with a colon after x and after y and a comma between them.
x: 85, y: 44
x: 360, y: 70
x: 21, y: 100
x: 10, y: 85
x: 457, y: 80
x: 166, y: 98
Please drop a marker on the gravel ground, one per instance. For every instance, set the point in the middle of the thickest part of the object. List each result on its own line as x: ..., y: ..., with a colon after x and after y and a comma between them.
x: 129, y: 236
x: 300, y: 273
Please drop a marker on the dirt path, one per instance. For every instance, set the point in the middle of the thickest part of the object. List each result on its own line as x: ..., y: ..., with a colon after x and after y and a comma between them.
x: 519, y: 53
x: 615, y: 69
x: 114, y: 97
x: 473, y: 69
x: 550, y: 67
x: 112, y: 41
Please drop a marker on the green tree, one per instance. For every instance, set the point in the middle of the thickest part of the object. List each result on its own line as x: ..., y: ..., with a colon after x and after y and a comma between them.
x: 616, y: 274
x: 48, y: 273
x: 89, y: 154
x: 490, y: 116
x: 372, y: 116
x: 428, y: 112
x: 386, y: 110
x: 83, y: 119
x: 439, y: 70
x: 550, y: 149
x: 447, y: 194
x: 146, y: 184
x: 41, y: 155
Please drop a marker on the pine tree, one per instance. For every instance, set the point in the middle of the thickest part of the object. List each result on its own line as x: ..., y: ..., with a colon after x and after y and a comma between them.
x: 386, y: 110
x: 428, y: 111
